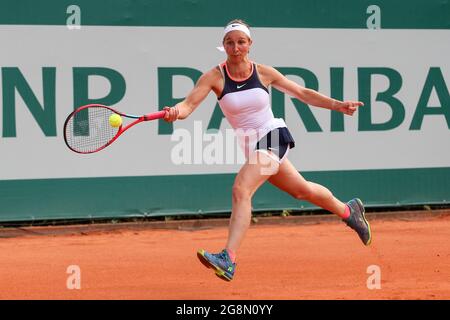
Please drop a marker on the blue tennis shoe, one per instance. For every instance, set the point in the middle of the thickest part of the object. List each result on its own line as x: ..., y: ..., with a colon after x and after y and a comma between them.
x: 357, y: 221
x: 220, y: 262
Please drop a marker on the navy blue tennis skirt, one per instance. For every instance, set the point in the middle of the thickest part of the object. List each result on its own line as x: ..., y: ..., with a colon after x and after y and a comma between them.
x: 278, y: 141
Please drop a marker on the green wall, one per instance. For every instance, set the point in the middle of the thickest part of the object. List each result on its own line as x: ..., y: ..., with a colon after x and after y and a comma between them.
x: 200, y: 194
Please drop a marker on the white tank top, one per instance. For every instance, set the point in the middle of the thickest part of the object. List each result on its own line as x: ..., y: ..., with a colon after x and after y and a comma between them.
x: 246, y: 105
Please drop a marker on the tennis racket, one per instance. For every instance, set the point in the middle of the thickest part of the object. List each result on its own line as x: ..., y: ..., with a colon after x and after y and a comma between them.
x: 88, y: 129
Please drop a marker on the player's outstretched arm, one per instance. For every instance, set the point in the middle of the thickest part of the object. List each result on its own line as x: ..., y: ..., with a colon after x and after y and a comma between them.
x: 309, y: 96
x: 184, y: 108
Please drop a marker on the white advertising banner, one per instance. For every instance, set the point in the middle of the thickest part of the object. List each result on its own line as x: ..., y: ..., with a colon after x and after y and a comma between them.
x: 407, y: 124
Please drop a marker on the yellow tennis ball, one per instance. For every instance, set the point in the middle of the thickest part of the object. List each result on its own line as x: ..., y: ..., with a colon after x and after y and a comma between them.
x: 115, y: 120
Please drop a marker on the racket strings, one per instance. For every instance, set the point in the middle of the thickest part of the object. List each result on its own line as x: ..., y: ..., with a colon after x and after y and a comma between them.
x: 89, y: 129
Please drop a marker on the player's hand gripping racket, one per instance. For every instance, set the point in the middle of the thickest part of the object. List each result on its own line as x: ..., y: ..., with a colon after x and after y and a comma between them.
x: 93, y: 127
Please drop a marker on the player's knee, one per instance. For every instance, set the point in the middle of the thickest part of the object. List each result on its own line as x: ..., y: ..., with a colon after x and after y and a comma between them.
x: 240, y: 193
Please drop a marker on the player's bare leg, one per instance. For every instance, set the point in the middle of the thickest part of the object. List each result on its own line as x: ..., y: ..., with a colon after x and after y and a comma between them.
x: 290, y: 180
x: 251, y: 176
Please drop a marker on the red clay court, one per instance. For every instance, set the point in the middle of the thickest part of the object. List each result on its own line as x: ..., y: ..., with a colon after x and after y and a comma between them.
x: 281, y: 258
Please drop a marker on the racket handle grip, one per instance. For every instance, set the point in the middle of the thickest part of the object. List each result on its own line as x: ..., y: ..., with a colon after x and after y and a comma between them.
x: 156, y: 115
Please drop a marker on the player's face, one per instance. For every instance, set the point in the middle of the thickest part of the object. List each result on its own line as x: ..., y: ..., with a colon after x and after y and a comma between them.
x: 237, y: 44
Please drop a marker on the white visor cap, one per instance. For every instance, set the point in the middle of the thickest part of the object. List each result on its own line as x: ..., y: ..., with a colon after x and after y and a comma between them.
x: 234, y: 27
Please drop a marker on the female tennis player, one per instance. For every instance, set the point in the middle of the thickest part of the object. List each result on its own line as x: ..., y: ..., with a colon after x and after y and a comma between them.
x: 241, y: 87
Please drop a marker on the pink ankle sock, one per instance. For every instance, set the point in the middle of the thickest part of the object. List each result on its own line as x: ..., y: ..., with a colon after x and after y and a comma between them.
x: 232, y: 255
x: 346, y: 212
